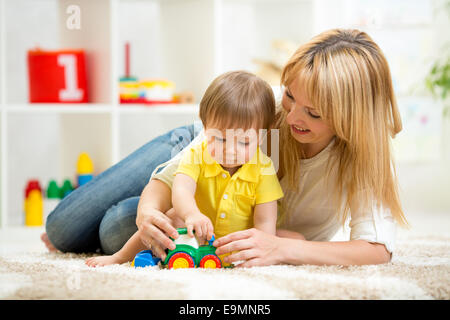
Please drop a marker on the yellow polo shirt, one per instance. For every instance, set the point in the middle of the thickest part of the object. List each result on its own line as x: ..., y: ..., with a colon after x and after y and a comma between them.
x: 227, y: 200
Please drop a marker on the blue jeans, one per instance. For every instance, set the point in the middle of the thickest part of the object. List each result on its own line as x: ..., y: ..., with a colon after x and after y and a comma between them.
x: 102, y: 213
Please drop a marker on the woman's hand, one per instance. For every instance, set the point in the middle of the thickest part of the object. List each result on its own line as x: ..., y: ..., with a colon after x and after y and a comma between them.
x: 155, y: 229
x: 254, y: 247
x: 155, y: 226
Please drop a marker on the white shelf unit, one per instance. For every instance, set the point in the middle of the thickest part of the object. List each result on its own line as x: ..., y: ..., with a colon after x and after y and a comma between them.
x: 187, y: 41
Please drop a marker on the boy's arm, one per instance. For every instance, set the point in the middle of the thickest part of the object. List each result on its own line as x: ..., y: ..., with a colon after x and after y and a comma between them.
x: 183, y: 200
x: 265, y: 217
x: 131, y: 248
x: 183, y: 192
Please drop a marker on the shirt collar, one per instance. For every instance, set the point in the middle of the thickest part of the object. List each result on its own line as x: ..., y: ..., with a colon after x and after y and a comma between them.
x: 250, y: 171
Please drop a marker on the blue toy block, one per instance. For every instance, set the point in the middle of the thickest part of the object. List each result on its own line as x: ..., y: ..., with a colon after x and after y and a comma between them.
x: 145, y: 258
x: 84, y: 178
x: 210, y: 242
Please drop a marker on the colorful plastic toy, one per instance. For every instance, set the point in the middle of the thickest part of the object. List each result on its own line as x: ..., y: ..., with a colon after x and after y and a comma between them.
x: 65, y: 189
x: 145, y: 258
x: 33, y: 204
x: 151, y: 91
x: 52, y: 199
x: 85, y: 169
x: 157, y: 91
x: 34, y: 209
x: 129, y: 90
x: 57, y: 76
x: 32, y: 185
x: 128, y: 85
x: 187, y: 254
x: 53, y: 190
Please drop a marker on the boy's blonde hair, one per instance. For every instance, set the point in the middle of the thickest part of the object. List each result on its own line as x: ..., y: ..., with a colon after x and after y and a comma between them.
x: 238, y: 99
x: 347, y: 79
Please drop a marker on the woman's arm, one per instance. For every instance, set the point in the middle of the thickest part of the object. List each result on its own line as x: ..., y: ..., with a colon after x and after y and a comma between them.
x: 155, y: 196
x: 155, y: 227
x: 353, y: 252
x: 257, y: 248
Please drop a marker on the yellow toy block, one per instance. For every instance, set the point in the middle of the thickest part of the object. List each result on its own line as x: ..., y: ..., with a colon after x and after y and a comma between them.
x: 84, y: 164
x: 34, y: 209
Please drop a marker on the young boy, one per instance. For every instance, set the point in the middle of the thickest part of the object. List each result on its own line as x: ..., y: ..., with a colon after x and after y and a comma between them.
x: 225, y: 183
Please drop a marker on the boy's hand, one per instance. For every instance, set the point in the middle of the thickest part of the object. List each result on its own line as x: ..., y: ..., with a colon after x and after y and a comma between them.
x: 201, y: 224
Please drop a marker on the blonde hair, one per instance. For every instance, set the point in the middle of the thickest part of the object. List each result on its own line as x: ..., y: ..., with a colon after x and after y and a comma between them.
x: 238, y: 99
x: 347, y: 79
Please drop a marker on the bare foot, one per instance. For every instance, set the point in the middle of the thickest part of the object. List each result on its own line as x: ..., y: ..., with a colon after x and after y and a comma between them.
x: 47, y: 243
x: 102, y: 261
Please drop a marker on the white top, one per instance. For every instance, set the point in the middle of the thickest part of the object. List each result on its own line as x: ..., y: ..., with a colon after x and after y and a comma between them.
x: 310, y: 211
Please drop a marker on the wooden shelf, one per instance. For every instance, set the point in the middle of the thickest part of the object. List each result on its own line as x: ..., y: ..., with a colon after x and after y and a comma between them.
x: 56, y: 108
x: 159, y: 108
x: 190, y: 49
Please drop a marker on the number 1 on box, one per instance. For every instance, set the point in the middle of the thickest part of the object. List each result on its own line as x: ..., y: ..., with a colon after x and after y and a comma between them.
x: 71, y: 92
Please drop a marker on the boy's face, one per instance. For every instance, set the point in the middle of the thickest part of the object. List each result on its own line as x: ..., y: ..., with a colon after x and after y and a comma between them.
x: 232, y: 147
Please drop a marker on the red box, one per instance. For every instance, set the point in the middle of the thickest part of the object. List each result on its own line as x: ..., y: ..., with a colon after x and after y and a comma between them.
x: 57, y: 76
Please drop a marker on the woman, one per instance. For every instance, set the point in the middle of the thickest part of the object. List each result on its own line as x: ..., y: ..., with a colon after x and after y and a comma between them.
x: 337, y: 117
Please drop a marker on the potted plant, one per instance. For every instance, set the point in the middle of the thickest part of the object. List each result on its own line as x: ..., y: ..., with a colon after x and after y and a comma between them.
x: 438, y: 83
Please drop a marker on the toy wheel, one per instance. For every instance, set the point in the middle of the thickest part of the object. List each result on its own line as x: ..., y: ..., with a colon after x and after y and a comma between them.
x: 210, y: 261
x: 181, y: 260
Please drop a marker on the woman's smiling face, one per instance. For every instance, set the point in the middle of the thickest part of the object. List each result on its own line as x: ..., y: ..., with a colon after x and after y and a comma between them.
x: 307, y: 126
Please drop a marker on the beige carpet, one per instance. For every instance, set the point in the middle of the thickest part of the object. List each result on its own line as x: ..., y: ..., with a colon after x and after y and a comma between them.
x: 420, y: 269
